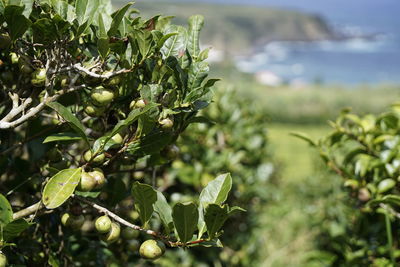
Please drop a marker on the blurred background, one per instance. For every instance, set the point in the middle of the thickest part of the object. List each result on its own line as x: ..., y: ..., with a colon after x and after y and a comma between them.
x: 298, y: 62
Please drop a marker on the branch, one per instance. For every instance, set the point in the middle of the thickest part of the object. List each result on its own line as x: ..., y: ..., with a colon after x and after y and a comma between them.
x: 389, y: 209
x: 27, y: 211
x: 157, y: 235
x: 102, y: 76
x: 5, y: 124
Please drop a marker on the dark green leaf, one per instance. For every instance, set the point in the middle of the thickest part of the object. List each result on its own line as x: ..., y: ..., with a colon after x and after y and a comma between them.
x: 144, y: 196
x: 14, y: 228
x: 16, y: 22
x: 185, y: 217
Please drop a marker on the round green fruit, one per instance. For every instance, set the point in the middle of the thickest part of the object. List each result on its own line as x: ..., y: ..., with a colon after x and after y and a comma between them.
x: 5, y: 41
x: 74, y: 222
x: 3, y: 260
x: 133, y: 245
x: 94, y: 111
x: 99, y: 159
x: 14, y: 58
x: 166, y: 123
x: 38, y: 77
x: 117, y: 138
x: 103, y: 224
x: 140, y: 103
x: 102, y: 96
x: 171, y: 152
x: 87, y: 182
x: 138, y: 175
x: 152, y: 249
x: 113, y: 234
x: 129, y: 233
x: 98, y: 175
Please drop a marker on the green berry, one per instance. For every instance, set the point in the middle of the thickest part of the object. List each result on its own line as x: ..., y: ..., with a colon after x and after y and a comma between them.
x: 166, y: 123
x: 87, y: 182
x: 99, y: 159
x: 117, y: 138
x: 98, y: 175
x: 113, y: 234
x: 38, y: 77
x: 94, y: 111
x: 103, y: 224
x: 102, y: 96
x: 152, y: 249
x: 140, y: 103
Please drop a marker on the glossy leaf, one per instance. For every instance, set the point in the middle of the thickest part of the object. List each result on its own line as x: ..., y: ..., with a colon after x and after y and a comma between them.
x: 62, y: 137
x: 216, y: 191
x: 6, y: 213
x: 185, y: 217
x: 60, y: 187
x: 144, y: 196
x: 117, y: 19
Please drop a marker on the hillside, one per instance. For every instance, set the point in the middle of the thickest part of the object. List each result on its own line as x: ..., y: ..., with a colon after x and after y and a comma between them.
x: 242, y: 28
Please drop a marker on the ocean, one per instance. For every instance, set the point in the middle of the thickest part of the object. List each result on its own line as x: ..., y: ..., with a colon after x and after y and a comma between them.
x: 352, y: 61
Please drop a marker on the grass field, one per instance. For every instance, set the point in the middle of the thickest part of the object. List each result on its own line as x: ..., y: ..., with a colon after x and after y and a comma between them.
x: 287, y: 229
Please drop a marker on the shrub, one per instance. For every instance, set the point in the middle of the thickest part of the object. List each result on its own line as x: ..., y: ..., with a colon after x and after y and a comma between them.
x: 89, y: 99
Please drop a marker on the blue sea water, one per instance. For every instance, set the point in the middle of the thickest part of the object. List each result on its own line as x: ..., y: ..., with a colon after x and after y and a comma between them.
x: 351, y: 61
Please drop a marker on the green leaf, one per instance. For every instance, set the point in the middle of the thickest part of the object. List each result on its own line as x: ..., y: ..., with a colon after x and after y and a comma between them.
x: 176, y: 44
x: 14, y: 228
x: 60, y: 187
x: 16, y: 22
x: 6, y: 213
x: 216, y: 216
x: 28, y: 7
x: 163, y: 39
x: 144, y: 196
x: 75, y: 124
x: 132, y: 117
x: 65, y: 10
x: 117, y: 18
x: 163, y: 209
x: 198, y: 72
x: 62, y: 137
x: 216, y: 191
x: 185, y: 217
x: 85, y: 10
x: 196, y: 22
x: 150, y: 144
x: 304, y: 137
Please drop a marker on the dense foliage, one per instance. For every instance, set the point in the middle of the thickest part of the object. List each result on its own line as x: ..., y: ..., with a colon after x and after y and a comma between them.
x: 232, y: 138
x: 363, y: 150
x: 91, y: 102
